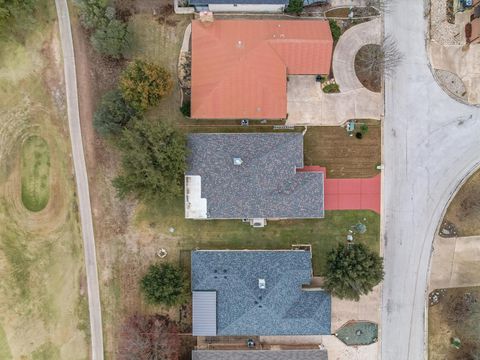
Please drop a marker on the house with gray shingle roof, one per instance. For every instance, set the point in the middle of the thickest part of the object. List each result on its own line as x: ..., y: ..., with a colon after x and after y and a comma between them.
x: 251, y: 176
x: 314, y: 354
x: 257, y: 293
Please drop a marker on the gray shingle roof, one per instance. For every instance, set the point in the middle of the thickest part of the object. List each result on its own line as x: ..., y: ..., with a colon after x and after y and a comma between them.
x: 259, y: 355
x: 282, y: 308
x: 206, y: 2
x: 265, y: 185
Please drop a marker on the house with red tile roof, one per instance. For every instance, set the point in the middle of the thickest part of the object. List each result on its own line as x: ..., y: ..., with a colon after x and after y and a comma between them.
x: 240, y: 67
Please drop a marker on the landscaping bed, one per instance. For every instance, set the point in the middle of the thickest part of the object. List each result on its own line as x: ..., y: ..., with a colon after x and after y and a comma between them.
x: 368, y: 69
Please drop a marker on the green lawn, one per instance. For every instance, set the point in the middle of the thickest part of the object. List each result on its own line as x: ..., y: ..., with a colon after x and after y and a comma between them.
x: 35, y: 173
x: 322, y: 234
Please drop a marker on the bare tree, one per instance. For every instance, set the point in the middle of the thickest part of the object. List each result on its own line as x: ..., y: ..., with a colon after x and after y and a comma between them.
x: 382, y: 6
x: 375, y: 61
x: 149, y: 337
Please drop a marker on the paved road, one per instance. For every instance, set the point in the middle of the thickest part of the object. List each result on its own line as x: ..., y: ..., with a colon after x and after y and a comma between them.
x: 81, y: 180
x: 431, y: 142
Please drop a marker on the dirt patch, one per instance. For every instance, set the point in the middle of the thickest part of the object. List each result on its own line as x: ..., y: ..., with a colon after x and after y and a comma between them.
x: 464, y: 210
x: 456, y: 314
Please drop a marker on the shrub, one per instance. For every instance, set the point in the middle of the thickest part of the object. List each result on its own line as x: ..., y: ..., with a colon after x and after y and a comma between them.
x: 153, y: 161
x: 295, y: 7
x: 185, y: 109
x: 331, y: 88
x: 144, y: 84
x: 164, y: 284
x: 112, y: 39
x: 352, y: 270
x: 113, y: 114
x: 335, y: 29
x: 359, y: 135
x: 364, y: 128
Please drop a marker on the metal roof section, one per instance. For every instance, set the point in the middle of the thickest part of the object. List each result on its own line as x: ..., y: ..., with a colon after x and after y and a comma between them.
x: 242, y: 2
x: 260, y: 293
x: 195, y: 205
x: 204, y: 313
x: 266, y: 184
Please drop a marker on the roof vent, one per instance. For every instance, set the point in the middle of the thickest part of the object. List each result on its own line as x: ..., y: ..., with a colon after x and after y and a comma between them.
x: 261, y: 283
x: 240, y: 44
x: 237, y: 161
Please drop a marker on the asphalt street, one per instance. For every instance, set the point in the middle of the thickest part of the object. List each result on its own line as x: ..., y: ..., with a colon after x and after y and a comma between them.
x: 431, y: 142
x: 83, y: 194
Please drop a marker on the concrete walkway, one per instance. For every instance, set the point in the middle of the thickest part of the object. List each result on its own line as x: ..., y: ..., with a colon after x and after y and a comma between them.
x: 455, y: 262
x: 350, y: 42
x: 81, y: 180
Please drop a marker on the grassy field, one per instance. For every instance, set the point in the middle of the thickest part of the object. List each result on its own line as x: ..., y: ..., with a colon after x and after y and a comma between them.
x: 322, y: 234
x: 464, y: 210
x: 41, y: 258
x: 35, y: 170
x: 456, y: 315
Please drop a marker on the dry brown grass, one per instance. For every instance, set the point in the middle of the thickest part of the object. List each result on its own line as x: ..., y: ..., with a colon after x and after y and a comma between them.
x: 464, y: 210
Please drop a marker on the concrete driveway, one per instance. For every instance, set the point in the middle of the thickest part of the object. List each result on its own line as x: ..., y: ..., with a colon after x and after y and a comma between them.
x: 309, y: 105
x: 430, y: 144
x: 455, y: 262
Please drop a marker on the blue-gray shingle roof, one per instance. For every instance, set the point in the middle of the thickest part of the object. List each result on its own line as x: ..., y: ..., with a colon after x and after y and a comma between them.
x: 253, y: 2
x: 313, y: 354
x: 243, y: 308
x: 265, y: 185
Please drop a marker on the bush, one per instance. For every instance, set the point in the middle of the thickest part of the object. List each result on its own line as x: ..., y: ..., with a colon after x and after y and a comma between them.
x: 185, y: 109
x: 295, y: 7
x: 92, y: 13
x: 164, y: 284
x: 352, y: 270
x: 359, y: 135
x: 331, y: 88
x: 153, y: 161
x: 364, y: 128
x: 112, y: 39
x: 144, y: 84
x: 335, y: 29
x: 113, y: 114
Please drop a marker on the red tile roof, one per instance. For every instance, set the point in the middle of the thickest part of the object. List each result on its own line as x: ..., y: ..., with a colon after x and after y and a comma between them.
x: 239, y: 67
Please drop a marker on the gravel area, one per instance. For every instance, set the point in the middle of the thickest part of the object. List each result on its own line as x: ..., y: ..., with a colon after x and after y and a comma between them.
x: 441, y: 30
x: 452, y: 83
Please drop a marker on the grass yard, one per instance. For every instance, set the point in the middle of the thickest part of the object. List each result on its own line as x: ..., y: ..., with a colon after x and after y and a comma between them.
x: 457, y: 314
x: 35, y: 173
x: 41, y: 257
x: 344, y: 156
x: 323, y: 234
x: 464, y: 210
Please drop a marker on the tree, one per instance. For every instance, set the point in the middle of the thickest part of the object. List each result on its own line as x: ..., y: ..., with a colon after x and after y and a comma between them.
x: 378, y: 59
x: 144, y: 84
x: 93, y: 13
x: 16, y: 15
x: 113, y: 114
x: 164, y: 284
x: 294, y: 7
x: 335, y: 29
x: 153, y: 161
x: 147, y: 337
x: 111, y: 39
x: 352, y: 270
